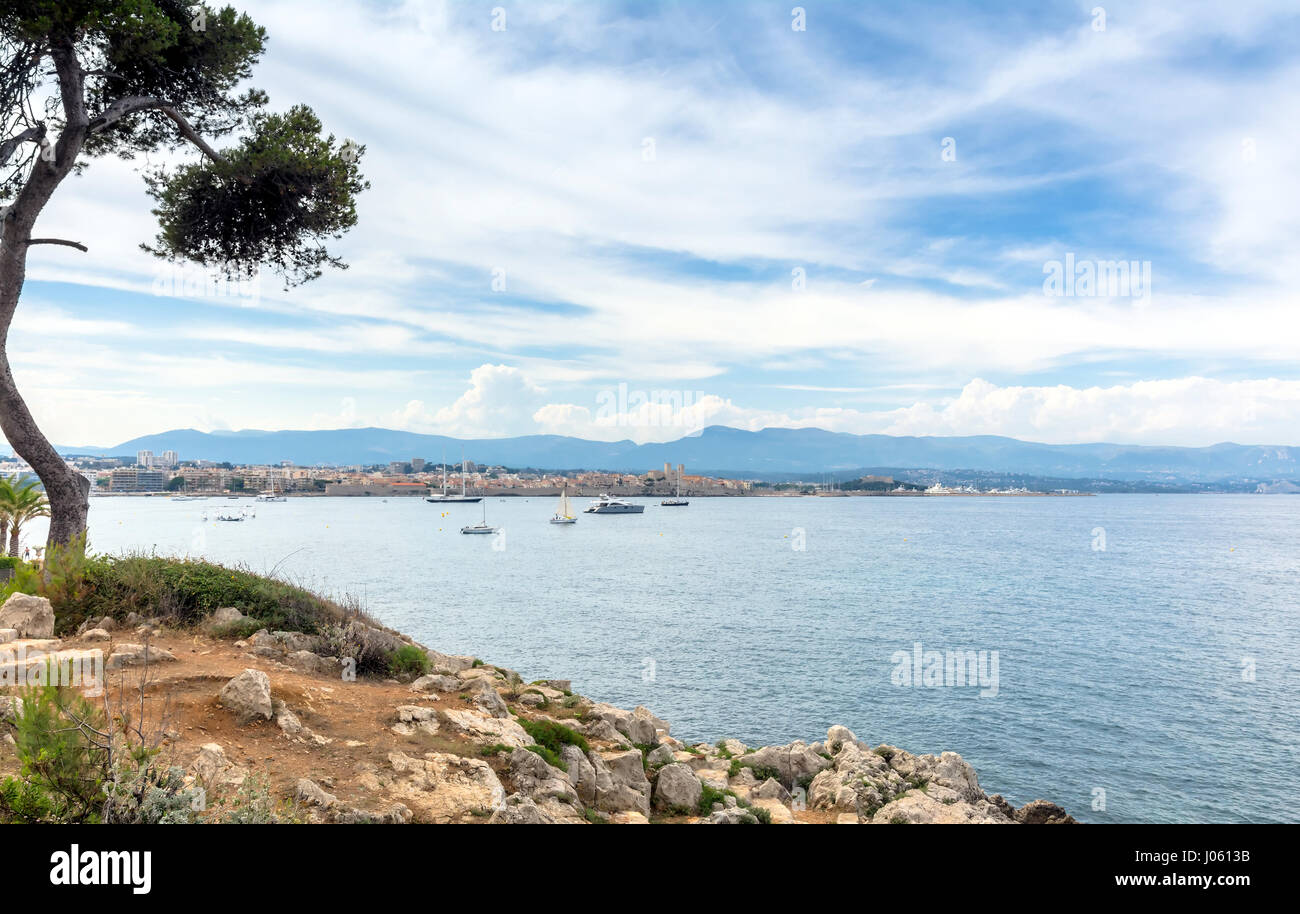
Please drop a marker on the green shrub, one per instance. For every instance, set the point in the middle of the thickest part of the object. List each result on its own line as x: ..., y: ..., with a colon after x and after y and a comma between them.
x: 65, y: 772
x: 181, y: 591
x: 709, y: 796
x: 554, y: 736
x: 549, y: 756
x: 408, y: 659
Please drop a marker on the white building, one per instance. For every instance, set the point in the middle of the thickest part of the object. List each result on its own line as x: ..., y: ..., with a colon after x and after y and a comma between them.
x: 144, y: 458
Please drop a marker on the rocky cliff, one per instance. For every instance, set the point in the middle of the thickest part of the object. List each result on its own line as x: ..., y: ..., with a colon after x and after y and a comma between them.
x: 468, y: 742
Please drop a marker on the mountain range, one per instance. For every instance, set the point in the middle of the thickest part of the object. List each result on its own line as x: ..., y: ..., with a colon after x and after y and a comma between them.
x: 717, y: 449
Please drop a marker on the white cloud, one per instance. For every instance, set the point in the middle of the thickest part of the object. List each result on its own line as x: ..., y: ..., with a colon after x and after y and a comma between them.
x: 484, y: 153
x: 1185, y: 411
x: 499, y: 398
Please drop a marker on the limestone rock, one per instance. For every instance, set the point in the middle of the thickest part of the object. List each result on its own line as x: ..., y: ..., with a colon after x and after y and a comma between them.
x: 520, y: 810
x: 677, y: 788
x: 713, y: 777
x: 919, y: 808
x: 448, y: 663
x: 248, y: 695
x: 661, y: 755
x: 771, y: 789
x: 226, y: 615
x: 309, y: 793
x: 315, y: 663
x: 126, y: 653
x: 604, y: 730
x: 778, y: 812
x: 444, y: 788
x: 536, y: 779
x: 582, y: 774
x: 483, y: 728
x: 286, y: 720
x: 11, y: 707
x: 621, y: 783
x: 411, y: 718
x: 486, y: 698
x: 436, y: 682
x: 628, y: 817
x: 214, y: 771
x: 730, y: 815
x: 96, y: 634
x: 1041, y: 812
x: 31, y: 617
x: 285, y: 642
x: 791, y: 763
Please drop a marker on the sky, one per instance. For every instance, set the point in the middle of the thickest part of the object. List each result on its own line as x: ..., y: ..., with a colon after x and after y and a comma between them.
x: 632, y: 220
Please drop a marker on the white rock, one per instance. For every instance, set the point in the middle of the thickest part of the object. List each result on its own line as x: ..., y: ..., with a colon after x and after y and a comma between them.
x: 31, y: 617
x: 248, y: 695
x: 677, y: 788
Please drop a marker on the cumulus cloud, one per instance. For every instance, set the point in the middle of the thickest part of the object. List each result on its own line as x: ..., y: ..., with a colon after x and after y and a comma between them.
x: 677, y: 267
x: 1188, y: 411
x: 500, y: 400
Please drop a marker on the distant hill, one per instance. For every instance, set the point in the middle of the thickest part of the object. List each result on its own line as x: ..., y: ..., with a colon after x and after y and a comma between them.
x: 719, y: 449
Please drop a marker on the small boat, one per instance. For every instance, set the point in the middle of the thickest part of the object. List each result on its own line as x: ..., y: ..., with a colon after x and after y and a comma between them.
x: 448, y: 498
x: 608, y: 504
x: 678, y: 501
x: 480, y: 527
x: 270, y: 494
x: 562, y: 515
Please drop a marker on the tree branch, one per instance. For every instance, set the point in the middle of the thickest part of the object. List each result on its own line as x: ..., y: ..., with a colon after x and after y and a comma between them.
x: 72, y: 244
x: 30, y: 135
x: 136, y: 103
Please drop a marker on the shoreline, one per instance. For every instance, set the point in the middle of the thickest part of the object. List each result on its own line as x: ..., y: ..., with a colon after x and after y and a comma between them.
x: 456, y: 740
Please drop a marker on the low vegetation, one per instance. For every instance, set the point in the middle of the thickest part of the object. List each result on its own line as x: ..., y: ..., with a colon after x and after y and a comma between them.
x: 552, y: 736
x: 85, y: 763
x: 408, y: 660
x: 180, y: 592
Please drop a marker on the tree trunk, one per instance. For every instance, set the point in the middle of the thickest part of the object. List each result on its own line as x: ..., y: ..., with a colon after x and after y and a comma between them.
x: 13, y: 540
x: 67, y: 490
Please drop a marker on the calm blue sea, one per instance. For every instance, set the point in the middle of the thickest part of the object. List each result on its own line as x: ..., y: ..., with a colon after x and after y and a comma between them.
x: 1154, y: 680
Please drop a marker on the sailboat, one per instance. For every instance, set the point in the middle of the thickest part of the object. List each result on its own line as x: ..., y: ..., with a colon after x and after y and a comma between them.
x: 444, y: 497
x: 677, y: 502
x: 270, y: 494
x: 562, y: 515
x: 480, y: 527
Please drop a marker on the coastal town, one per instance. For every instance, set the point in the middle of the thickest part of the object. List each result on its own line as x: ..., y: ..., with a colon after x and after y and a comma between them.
x: 166, y: 473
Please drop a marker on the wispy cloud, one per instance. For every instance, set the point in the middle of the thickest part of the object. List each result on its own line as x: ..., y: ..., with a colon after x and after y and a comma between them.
x: 842, y: 226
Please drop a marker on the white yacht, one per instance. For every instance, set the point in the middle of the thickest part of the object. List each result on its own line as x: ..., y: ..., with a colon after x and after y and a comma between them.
x: 677, y: 501
x: 447, y: 497
x: 608, y: 504
x: 270, y: 494
x: 562, y: 513
x: 480, y: 527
